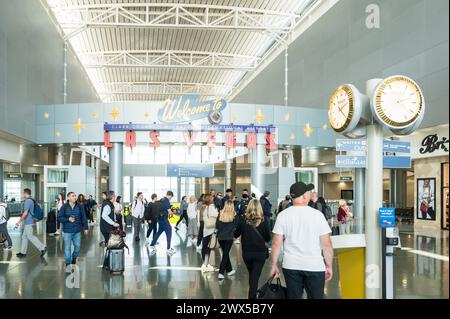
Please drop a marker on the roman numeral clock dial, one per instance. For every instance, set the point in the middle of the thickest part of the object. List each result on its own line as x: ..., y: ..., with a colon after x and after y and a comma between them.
x: 398, y: 104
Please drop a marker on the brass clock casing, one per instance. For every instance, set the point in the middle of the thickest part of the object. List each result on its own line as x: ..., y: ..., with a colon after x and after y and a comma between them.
x: 406, y: 126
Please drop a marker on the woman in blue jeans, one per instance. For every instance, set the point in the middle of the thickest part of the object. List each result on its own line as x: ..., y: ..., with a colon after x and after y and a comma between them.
x: 72, y: 216
x: 107, y: 223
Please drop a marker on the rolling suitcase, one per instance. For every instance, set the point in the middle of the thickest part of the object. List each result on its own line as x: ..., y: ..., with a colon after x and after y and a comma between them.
x: 334, y: 229
x: 116, y: 260
x: 51, y: 222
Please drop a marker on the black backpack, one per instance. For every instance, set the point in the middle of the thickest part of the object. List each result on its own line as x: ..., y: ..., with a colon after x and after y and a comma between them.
x: 157, y: 210
x: 148, y: 212
x: 243, y: 206
x: 327, y: 212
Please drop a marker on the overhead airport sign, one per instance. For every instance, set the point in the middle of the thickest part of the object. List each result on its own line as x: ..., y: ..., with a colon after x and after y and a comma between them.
x: 188, y: 108
x: 350, y: 161
x: 360, y: 145
x: 190, y: 170
x: 343, y: 145
x: 187, y: 128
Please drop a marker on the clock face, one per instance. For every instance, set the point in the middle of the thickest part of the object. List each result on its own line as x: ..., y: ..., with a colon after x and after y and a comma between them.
x: 398, y: 101
x: 341, y: 108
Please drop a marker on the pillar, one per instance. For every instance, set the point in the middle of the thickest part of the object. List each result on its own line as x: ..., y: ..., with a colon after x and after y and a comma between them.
x: 258, y: 161
x: 131, y: 188
x: 233, y: 184
x: 179, y: 189
x: 206, y: 184
x: 374, y: 187
x: 359, y: 184
x: 59, y: 156
x: 397, y: 191
x: 116, y: 168
x: 228, y: 169
x: 2, y: 175
x: 98, y: 180
x: 297, y: 154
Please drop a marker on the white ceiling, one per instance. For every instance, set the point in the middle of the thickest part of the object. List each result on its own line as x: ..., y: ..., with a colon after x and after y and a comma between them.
x: 157, y: 50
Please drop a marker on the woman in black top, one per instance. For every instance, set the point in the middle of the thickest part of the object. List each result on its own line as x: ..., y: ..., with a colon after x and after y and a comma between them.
x: 255, y: 238
x: 225, y: 225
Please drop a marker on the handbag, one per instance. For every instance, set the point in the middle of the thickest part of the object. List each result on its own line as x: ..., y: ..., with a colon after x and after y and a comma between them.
x: 214, y: 241
x: 2, y: 238
x: 210, y: 222
x: 116, y: 240
x: 272, y: 291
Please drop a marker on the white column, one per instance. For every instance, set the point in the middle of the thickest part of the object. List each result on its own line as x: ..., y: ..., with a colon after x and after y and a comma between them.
x: 374, y: 187
x: 98, y: 179
x: 359, y: 186
x: 116, y: 168
x: 258, y: 162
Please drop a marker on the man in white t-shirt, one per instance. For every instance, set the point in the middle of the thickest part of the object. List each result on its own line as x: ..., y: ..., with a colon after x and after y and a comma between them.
x: 308, y: 252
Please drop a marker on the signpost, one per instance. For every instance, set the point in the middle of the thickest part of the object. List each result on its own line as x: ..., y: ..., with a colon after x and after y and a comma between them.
x: 390, y: 157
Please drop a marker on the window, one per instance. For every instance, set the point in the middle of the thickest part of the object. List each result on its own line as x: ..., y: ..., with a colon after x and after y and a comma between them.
x: 12, y: 189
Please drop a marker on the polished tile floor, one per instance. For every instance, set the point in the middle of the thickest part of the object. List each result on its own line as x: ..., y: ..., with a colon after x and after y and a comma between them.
x: 420, y: 268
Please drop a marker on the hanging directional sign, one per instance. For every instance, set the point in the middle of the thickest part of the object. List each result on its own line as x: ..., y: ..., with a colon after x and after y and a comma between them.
x: 396, y: 162
x: 349, y: 161
x: 397, y: 146
x: 190, y: 170
x: 343, y: 145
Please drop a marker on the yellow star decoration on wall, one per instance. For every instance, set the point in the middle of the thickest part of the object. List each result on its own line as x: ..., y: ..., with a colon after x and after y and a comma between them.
x: 57, y: 134
x: 94, y: 115
x: 46, y: 115
x: 114, y: 113
x: 146, y: 114
x: 292, y: 136
x: 259, y: 117
x: 308, y: 130
x: 325, y: 126
x: 78, y: 126
x: 287, y: 116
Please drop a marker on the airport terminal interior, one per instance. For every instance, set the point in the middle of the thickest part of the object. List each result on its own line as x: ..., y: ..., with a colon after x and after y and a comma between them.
x: 238, y: 99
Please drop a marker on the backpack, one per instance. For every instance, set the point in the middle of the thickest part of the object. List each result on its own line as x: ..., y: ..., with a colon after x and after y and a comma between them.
x: 326, y: 211
x: 38, y: 213
x: 148, y: 212
x: 157, y: 210
x: 243, y: 206
x: 7, y: 213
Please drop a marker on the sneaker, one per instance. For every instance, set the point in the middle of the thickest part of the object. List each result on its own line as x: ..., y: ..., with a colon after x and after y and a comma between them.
x: 221, y: 276
x: 20, y: 255
x: 43, y: 252
x: 152, y: 250
x: 237, y: 241
x: 52, y: 235
x: 74, y: 261
x: 171, y: 251
x: 57, y: 233
x: 211, y: 268
x: 8, y: 248
x: 204, y: 268
x: 231, y: 273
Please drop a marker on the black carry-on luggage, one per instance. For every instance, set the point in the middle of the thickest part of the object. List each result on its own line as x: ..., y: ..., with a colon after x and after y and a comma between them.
x: 334, y: 228
x: 51, y: 222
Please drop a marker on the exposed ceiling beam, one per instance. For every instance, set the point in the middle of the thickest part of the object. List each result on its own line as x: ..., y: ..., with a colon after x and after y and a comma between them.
x: 76, y: 19
x: 167, y: 59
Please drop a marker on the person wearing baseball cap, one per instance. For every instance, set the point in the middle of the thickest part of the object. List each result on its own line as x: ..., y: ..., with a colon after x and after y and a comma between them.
x: 306, y: 236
